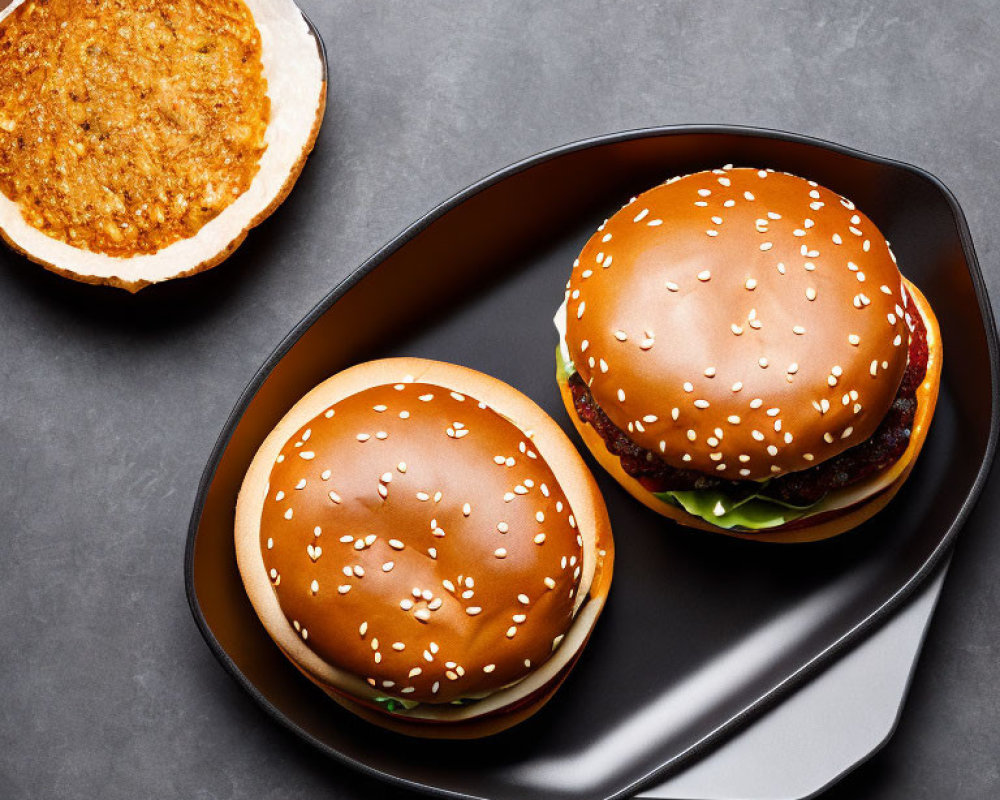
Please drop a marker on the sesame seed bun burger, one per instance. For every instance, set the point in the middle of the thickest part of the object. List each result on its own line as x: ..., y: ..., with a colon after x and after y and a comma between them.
x: 739, y: 350
x: 425, y: 544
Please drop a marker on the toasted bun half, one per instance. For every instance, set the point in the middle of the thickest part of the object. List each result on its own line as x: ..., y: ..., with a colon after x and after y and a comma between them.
x: 296, y: 88
x: 842, y: 510
x: 425, y: 544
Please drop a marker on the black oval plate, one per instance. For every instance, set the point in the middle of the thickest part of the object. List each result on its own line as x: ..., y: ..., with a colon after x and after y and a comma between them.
x: 701, y: 631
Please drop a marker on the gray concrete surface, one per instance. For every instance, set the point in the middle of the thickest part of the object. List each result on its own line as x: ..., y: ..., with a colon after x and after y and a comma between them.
x: 109, y: 405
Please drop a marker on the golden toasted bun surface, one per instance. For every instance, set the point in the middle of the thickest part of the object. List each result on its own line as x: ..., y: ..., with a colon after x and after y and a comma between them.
x: 856, y: 505
x: 742, y: 323
x: 468, y: 547
x: 93, y: 123
x: 293, y: 69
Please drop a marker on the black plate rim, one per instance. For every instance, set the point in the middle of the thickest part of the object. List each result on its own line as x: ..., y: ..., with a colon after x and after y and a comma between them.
x: 791, y: 681
x: 320, y: 45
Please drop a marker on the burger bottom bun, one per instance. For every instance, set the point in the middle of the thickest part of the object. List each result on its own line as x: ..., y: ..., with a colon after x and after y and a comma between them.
x: 474, y: 728
x: 873, y: 495
x: 503, y: 708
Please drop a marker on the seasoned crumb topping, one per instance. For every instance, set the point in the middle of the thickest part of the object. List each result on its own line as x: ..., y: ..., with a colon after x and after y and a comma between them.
x: 127, y: 125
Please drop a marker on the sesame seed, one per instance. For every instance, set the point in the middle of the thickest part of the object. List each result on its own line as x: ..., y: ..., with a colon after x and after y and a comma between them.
x: 688, y: 387
x: 766, y: 246
x: 750, y: 284
x: 344, y: 588
x: 756, y: 403
x: 539, y: 538
x: 692, y: 435
x: 733, y: 419
x: 701, y: 403
x: 511, y: 631
x: 500, y: 552
x: 364, y: 437
x: 314, y: 587
x: 673, y: 287
x: 762, y: 362
x: 810, y: 293
x: 704, y: 275
x: 621, y: 395
x: 551, y: 584
x: 621, y: 336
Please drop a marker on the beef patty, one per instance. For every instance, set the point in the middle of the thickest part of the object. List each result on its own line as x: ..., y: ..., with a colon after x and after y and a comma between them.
x: 802, y: 488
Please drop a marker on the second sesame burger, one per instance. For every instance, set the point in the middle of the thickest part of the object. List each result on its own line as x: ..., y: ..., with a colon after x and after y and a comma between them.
x: 424, y: 543
x: 740, y: 351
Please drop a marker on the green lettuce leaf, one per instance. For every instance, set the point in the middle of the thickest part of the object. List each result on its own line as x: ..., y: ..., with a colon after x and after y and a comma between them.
x: 395, y: 705
x: 562, y: 373
x: 753, y: 513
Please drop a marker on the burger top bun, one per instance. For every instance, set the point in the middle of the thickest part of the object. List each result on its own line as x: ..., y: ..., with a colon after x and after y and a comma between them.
x: 415, y: 537
x: 741, y: 323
